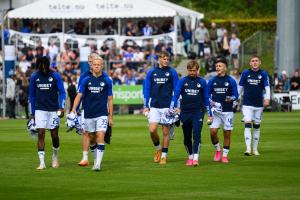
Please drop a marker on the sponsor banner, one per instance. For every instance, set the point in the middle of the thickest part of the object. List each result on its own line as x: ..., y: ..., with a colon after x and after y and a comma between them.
x: 294, y: 97
x: 128, y: 94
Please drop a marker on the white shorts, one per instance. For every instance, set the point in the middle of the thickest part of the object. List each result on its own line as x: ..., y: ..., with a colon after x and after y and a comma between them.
x: 46, y: 119
x: 81, y: 120
x: 96, y: 124
x: 225, y: 118
x: 158, y: 115
x: 252, y: 114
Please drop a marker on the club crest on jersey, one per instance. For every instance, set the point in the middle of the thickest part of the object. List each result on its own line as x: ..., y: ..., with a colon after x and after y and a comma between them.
x: 226, y: 84
x: 102, y: 84
x: 198, y: 85
x: 50, y: 79
x: 259, y: 76
x: 167, y: 74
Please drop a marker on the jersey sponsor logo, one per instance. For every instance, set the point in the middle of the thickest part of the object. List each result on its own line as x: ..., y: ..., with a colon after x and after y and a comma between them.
x: 191, y: 92
x: 44, y: 86
x: 102, y: 84
x: 167, y: 74
x: 155, y: 74
x: 89, y: 83
x: 226, y: 83
x: 186, y: 84
x: 198, y: 85
x: 253, y: 81
x: 37, y: 79
x: 95, y: 89
x: 50, y: 79
x: 220, y: 90
x: 161, y: 80
x: 215, y: 83
x: 249, y: 76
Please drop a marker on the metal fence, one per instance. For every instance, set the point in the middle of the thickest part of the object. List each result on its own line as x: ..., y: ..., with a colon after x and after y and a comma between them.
x: 261, y: 43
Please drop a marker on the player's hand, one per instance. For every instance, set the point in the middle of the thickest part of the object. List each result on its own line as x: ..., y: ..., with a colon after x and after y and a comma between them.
x: 209, y: 120
x: 60, y: 113
x: 266, y: 102
x: 211, y: 103
x: 228, y: 99
x: 177, y: 110
x: 146, y: 112
x: 110, y: 121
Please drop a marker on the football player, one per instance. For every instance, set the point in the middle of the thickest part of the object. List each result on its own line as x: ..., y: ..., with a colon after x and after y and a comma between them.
x: 47, y: 100
x: 222, y: 91
x: 253, y: 84
x: 194, y: 102
x: 158, y: 89
x: 97, y: 101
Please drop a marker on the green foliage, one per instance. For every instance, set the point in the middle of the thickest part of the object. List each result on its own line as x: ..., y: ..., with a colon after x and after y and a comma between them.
x: 227, y: 9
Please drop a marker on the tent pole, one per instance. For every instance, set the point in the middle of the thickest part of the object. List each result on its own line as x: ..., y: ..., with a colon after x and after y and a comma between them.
x: 3, y: 66
x: 63, y: 35
x: 176, y: 36
x: 119, y: 32
x: 90, y: 26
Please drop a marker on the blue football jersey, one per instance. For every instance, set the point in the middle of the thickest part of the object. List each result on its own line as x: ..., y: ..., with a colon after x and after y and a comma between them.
x: 47, y: 92
x: 254, y: 83
x: 194, y: 95
x: 159, y: 86
x: 221, y: 87
x: 95, y: 92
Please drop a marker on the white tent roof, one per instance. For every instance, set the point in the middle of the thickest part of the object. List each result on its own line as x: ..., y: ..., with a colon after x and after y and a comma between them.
x: 79, y: 9
x: 181, y: 11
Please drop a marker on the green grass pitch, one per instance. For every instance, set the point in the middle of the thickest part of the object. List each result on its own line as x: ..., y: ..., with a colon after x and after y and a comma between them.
x: 128, y: 171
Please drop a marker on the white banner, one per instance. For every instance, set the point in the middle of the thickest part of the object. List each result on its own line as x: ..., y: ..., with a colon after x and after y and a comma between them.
x: 19, y: 39
x: 10, y: 53
x: 294, y: 97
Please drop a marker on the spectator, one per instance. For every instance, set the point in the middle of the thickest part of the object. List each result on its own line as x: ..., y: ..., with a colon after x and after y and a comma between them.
x: 128, y: 54
x: 115, y: 78
x: 295, y: 81
x: 72, y: 90
x: 200, y: 34
x: 110, y: 30
x: 187, y: 39
x: 234, y: 28
x: 130, y: 78
x: 129, y: 29
x: 24, y: 64
x: 234, y: 46
x: 220, y: 34
x: 210, y: 67
x: 138, y: 55
x: 213, y: 34
x: 147, y: 30
x: 225, y: 45
x: 53, y: 51
x: 24, y: 94
x: 285, y: 81
x: 11, y: 96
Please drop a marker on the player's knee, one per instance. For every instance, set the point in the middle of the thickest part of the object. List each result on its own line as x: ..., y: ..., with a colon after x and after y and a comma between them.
x: 248, y: 125
x: 256, y: 126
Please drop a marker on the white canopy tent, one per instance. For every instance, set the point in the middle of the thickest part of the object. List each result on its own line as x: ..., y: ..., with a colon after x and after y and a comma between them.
x: 103, y: 9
